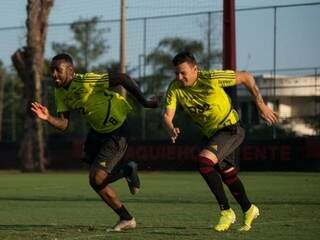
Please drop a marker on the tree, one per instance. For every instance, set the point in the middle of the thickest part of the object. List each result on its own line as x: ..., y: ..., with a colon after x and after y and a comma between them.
x: 89, y: 43
x: 28, y: 62
x: 12, y: 100
x: 160, y: 60
x: 313, y: 121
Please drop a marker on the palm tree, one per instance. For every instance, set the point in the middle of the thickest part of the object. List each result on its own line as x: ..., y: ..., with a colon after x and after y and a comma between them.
x: 160, y: 63
x: 29, y: 62
x: 89, y: 43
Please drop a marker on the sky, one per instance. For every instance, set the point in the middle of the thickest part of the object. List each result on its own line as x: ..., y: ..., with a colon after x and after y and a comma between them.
x: 298, y: 33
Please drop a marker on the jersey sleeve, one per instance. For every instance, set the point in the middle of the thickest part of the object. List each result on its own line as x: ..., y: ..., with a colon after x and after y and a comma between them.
x: 61, y: 106
x: 225, y: 78
x: 171, y: 98
x: 105, y: 80
x: 93, y: 80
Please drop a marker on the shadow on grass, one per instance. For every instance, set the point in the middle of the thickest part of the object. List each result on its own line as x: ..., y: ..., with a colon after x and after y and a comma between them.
x: 54, y: 227
x: 151, y: 201
x: 158, y: 230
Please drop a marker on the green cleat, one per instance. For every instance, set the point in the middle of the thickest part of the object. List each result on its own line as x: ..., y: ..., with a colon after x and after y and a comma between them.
x: 227, y: 217
x: 249, y: 216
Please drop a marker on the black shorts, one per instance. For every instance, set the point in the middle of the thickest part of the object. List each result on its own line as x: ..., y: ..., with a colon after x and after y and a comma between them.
x: 106, y: 149
x: 224, y: 144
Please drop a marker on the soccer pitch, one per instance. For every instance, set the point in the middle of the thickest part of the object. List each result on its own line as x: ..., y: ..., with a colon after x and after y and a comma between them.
x: 170, y: 205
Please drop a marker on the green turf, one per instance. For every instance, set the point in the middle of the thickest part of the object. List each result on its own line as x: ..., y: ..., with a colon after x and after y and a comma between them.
x: 171, y: 205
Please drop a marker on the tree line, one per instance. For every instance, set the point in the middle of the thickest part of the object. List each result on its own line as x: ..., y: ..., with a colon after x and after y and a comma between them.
x: 31, y: 81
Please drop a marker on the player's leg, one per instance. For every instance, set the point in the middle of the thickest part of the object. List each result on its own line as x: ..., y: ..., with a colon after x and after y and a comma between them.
x: 98, y: 181
x: 129, y: 170
x: 113, y: 146
x: 221, y: 145
x: 231, y: 179
x: 206, y: 162
x: 120, y: 169
x: 106, y: 152
x: 228, y: 170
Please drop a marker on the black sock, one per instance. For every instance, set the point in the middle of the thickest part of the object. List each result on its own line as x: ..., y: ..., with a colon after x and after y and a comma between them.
x: 213, y: 179
x: 123, y: 213
x: 239, y: 193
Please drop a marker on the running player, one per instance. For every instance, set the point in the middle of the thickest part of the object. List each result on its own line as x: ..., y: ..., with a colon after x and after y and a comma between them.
x: 200, y: 93
x: 106, y: 112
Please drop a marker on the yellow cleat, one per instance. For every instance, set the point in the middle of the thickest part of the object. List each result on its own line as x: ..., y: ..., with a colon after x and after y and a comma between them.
x: 249, y: 216
x: 227, y: 217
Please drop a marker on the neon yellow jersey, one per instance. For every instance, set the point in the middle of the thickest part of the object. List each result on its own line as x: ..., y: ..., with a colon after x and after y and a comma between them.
x: 206, y: 102
x: 89, y: 94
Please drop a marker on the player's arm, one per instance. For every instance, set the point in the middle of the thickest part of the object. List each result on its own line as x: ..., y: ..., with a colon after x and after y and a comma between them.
x: 249, y: 82
x: 131, y: 86
x: 61, y: 122
x: 173, y: 131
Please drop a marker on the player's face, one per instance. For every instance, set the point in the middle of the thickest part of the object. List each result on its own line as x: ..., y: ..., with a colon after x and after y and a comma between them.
x: 186, y: 73
x: 61, y: 72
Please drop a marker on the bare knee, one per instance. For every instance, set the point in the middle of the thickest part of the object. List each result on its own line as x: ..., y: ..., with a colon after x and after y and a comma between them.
x: 209, y: 155
x: 97, y: 178
x: 206, y: 161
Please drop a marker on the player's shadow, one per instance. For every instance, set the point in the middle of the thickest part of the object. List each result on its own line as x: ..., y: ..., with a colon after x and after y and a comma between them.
x: 101, y: 229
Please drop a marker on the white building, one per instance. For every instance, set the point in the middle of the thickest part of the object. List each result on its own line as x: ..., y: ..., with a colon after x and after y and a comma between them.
x: 295, y: 98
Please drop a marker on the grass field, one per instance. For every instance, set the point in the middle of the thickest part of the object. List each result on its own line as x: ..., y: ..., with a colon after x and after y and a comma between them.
x: 171, y: 205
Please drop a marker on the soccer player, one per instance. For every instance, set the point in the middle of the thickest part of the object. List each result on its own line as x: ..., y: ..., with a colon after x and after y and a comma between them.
x: 106, y: 112
x: 200, y: 93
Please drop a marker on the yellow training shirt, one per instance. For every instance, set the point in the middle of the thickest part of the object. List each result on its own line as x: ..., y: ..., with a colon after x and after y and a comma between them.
x: 206, y: 102
x: 89, y: 94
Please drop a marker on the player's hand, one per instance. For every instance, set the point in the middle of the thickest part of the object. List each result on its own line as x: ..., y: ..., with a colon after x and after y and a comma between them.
x: 174, y: 133
x: 153, y: 102
x: 40, y: 110
x: 267, y: 114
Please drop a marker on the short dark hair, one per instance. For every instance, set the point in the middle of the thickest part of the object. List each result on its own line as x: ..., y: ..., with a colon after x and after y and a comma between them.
x: 63, y: 56
x: 182, y: 57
